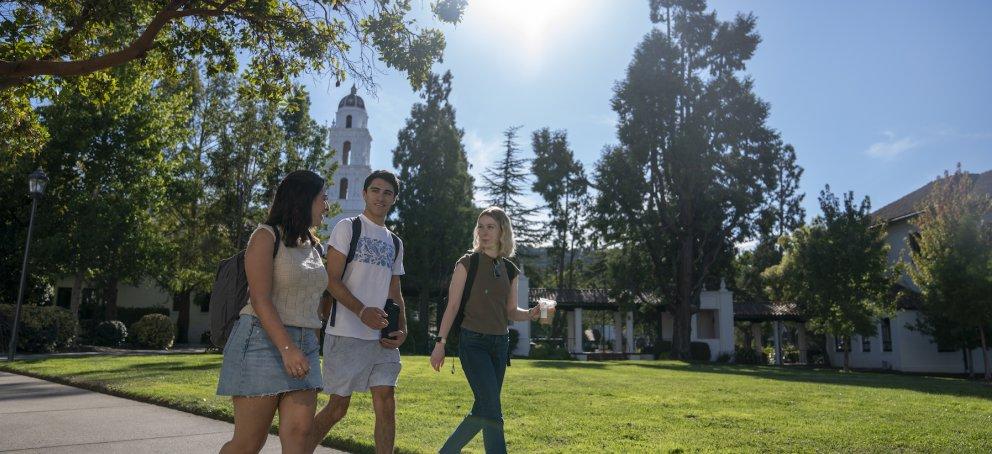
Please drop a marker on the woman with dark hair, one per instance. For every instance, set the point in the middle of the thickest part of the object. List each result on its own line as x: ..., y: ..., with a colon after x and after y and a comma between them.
x: 271, y: 357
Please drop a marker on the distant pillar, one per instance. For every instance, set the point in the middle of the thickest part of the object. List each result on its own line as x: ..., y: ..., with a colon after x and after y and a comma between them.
x: 757, y: 343
x: 778, y: 343
x: 579, y: 334
x: 570, y: 336
x: 617, y: 332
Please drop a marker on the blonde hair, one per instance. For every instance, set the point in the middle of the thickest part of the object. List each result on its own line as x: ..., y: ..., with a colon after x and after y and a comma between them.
x: 506, y: 246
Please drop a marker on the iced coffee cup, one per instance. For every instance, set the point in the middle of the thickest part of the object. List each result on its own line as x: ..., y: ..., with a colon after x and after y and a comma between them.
x: 546, y: 315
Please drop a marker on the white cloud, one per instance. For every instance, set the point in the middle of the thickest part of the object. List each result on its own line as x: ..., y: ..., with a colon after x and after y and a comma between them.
x: 892, y: 147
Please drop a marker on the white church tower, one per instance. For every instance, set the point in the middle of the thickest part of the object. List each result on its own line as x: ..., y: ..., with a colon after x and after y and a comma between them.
x: 349, y: 135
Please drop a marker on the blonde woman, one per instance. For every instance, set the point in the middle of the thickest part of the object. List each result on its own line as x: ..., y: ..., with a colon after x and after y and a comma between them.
x: 483, y: 341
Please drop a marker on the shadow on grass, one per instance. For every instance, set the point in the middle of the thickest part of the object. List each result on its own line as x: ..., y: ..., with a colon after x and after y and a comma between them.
x: 881, y: 380
x: 551, y: 364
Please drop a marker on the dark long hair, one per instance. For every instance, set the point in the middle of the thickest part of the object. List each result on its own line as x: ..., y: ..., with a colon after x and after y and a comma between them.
x: 291, y: 206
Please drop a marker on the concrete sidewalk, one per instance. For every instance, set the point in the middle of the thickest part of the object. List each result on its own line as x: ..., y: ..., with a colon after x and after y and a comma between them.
x: 41, y: 416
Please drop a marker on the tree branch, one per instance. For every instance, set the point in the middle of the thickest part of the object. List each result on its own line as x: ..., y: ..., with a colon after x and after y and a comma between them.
x: 19, y: 72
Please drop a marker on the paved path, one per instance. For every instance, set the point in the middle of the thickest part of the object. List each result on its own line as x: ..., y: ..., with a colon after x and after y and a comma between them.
x: 41, y: 416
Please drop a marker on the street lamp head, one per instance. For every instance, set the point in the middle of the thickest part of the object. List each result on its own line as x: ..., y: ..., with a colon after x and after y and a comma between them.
x: 36, y: 183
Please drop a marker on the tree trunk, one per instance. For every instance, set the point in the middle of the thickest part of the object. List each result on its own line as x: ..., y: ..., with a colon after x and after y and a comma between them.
x: 181, y: 303
x: 77, y: 293
x: 985, y: 353
x: 847, y: 353
x: 969, y: 368
x: 110, y: 299
x: 682, y: 309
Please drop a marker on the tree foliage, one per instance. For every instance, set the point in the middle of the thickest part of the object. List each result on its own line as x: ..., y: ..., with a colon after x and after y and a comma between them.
x: 503, y: 185
x: 951, y: 263
x: 435, y: 213
x: 560, y: 179
x: 694, y: 163
x: 836, y: 270
x: 283, y: 37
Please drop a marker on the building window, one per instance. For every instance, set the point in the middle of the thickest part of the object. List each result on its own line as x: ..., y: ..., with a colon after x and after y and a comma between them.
x: 347, y: 121
x: 344, y: 189
x: 346, y: 154
x: 886, y: 335
x: 865, y: 344
x: 64, y: 297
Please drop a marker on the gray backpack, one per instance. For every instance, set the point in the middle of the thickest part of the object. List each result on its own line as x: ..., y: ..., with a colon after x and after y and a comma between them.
x: 230, y: 294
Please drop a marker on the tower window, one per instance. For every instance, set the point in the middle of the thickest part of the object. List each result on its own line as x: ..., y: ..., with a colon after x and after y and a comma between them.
x: 346, y: 154
x: 347, y: 122
x: 344, y: 189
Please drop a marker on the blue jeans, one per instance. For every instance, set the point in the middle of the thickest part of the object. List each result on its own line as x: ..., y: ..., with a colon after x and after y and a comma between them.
x: 484, y: 362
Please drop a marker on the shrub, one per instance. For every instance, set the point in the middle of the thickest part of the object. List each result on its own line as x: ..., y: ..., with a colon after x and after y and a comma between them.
x: 110, y: 333
x: 699, y: 351
x: 41, y: 329
x: 514, y: 340
x: 747, y: 355
x: 660, y: 349
x: 724, y: 357
x: 416, y: 340
x: 549, y: 351
x: 154, y: 331
x: 130, y: 315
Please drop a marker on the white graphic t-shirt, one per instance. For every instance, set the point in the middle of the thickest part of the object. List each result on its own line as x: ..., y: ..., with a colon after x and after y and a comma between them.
x: 367, y: 276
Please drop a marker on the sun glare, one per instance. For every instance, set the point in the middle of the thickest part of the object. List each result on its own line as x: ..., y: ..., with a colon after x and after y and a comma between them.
x: 527, y: 28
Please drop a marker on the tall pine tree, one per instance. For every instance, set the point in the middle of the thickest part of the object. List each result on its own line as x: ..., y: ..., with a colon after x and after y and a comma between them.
x: 694, y: 164
x: 504, y: 185
x: 434, y: 210
x: 561, y: 180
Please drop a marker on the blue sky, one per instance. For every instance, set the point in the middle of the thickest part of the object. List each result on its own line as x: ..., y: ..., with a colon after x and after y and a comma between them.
x: 878, y: 97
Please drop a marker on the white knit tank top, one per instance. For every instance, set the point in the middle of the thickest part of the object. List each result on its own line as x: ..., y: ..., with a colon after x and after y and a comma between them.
x: 298, y: 280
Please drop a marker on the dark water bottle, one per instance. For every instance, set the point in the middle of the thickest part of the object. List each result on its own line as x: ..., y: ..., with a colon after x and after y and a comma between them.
x: 392, y: 317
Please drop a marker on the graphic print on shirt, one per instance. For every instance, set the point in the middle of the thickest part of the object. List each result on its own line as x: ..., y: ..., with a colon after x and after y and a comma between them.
x: 375, y: 252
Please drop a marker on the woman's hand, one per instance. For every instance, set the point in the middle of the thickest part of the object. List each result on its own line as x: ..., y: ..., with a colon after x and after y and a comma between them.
x: 295, y: 362
x: 437, y: 357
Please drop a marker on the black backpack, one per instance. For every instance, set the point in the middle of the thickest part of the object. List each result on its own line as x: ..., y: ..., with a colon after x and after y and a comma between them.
x: 356, y: 233
x: 230, y: 294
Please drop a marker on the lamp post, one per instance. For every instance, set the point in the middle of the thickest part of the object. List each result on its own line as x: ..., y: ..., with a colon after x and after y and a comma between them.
x: 36, y: 188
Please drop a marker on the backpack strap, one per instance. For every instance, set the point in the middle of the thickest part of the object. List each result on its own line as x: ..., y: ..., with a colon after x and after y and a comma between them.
x: 473, y: 268
x: 511, y: 270
x: 396, y: 246
x: 356, y: 233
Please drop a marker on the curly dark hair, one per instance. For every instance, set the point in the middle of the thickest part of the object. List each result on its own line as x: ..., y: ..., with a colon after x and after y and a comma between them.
x: 291, y: 206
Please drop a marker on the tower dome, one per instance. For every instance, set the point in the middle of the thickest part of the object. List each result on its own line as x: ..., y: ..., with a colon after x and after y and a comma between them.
x: 352, y: 100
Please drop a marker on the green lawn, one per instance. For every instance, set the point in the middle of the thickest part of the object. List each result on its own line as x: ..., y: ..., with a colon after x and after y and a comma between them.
x: 637, y: 406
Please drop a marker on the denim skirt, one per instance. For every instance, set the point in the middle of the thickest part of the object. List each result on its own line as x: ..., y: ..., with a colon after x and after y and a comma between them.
x: 253, y: 365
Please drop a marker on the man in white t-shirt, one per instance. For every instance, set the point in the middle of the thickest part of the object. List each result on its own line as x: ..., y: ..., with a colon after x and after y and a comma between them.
x: 356, y: 356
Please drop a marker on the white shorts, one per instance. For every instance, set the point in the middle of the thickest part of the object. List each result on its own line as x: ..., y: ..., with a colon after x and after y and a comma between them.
x: 355, y: 365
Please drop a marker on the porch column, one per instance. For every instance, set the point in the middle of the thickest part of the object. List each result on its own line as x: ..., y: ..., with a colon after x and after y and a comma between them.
x: 579, y: 332
x: 801, y: 340
x: 757, y: 343
x: 778, y: 342
x: 570, y: 332
x: 630, y: 332
x: 617, y: 332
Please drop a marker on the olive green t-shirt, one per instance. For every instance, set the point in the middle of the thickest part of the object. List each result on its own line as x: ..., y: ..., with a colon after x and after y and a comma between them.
x: 485, y: 310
